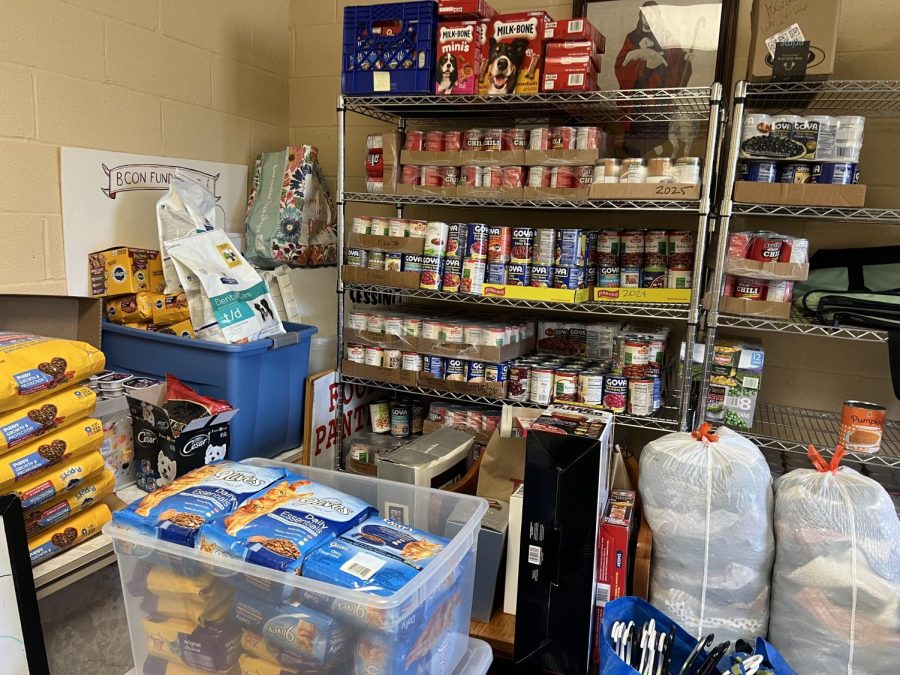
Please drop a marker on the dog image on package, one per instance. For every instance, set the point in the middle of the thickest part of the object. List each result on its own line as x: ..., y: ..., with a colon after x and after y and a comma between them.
x: 239, y: 298
x: 512, y: 64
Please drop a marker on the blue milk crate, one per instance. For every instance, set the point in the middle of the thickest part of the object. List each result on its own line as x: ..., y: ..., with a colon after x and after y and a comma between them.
x: 264, y: 379
x: 390, y: 48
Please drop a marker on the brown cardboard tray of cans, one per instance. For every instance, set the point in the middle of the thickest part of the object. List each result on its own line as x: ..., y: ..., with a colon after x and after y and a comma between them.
x: 409, y: 242
x: 420, y: 345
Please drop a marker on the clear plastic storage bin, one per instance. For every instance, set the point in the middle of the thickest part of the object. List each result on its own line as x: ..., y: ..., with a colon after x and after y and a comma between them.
x: 220, y: 615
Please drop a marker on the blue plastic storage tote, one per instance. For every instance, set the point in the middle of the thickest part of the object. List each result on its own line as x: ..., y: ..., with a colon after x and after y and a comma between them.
x: 389, y: 48
x: 264, y: 379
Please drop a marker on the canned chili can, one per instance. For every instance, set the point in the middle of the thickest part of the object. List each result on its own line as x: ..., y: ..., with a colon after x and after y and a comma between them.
x: 584, y: 176
x: 496, y: 274
x: 434, y: 141
x: 456, y: 370
x: 654, y: 278
x: 375, y: 356
x: 431, y: 176
x: 375, y: 261
x: 452, y: 141
x: 499, y: 242
x: 496, y: 372
x: 452, y: 275
x: 795, y: 172
x: 565, y: 385
x: 544, y: 246
x: 415, y: 140
x: 477, y: 241
x: 412, y: 262
x: 519, y: 387
x: 379, y: 226
x: 588, y: 138
x: 410, y: 175
x: 562, y: 177
x: 570, y: 247
x: 590, y: 388
x: 399, y: 420
x: 615, y: 392
x: 513, y: 176
x: 758, y: 171
x: 393, y: 359
x: 739, y: 244
x: 541, y: 385
x: 355, y: 257
x: 729, y: 285
x: 836, y: 173
x: 492, y: 176
x: 630, y: 276
x: 680, y: 278
x: 356, y: 353
x: 563, y: 138
x: 475, y: 371
x: 432, y: 272
x: 470, y: 176
x: 435, y: 366
x: 539, y: 139
x: 393, y: 262
x: 472, y: 281
x: 640, y: 397
x: 515, y: 139
x: 449, y: 175
x: 795, y: 250
x: 765, y: 249
x: 411, y: 361
x: 780, y: 291
x: 492, y: 140
x: 542, y: 276
x: 570, y: 277
x: 751, y: 289
x: 539, y: 176
x: 362, y: 225
x: 397, y: 227
x: 522, y: 245
x: 518, y: 274
x: 472, y: 139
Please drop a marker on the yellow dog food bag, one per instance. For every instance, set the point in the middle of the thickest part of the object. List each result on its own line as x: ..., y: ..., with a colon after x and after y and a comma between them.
x: 33, y: 367
x: 136, y: 308
x: 37, y: 419
x: 170, y: 309
x: 60, y: 480
x: 60, y: 446
x: 68, y: 533
x: 39, y: 519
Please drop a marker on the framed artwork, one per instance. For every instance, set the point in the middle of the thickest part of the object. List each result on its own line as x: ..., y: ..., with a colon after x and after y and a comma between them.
x: 654, y: 44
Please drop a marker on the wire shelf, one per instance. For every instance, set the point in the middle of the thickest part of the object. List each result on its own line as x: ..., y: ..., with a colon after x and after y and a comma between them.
x: 687, y: 205
x: 677, y: 312
x: 888, y: 216
x: 634, y: 105
x: 665, y: 419
x: 858, y: 97
x: 801, y: 325
x: 790, y: 430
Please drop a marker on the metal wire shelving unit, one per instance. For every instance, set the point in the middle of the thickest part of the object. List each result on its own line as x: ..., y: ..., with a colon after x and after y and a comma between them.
x: 779, y: 429
x: 701, y: 105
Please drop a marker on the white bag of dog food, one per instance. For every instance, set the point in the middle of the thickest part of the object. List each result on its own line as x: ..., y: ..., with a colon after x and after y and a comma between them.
x: 185, y: 210
x: 238, y: 298
x: 204, y: 322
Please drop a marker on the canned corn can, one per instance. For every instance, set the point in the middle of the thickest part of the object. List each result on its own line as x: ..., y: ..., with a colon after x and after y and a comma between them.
x: 475, y: 371
x: 496, y: 274
x: 455, y: 370
x: 522, y: 245
x: 412, y: 262
x: 452, y: 275
x: 518, y: 274
x: 542, y: 276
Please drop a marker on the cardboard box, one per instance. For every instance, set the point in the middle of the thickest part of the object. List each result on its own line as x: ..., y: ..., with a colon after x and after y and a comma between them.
x: 614, y: 562
x: 66, y: 317
x: 430, y: 157
x: 122, y: 271
x: 459, y: 56
x: 562, y: 157
x: 164, y: 448
x: 433, y: 460
x: 574, y: 29
x: 513, y: 542
x: 384, y: 243
x: 465, y: 9
x: 640, y: 295
x: 764, y: 308
x: 570, y: 48
x: 800, y: 194
x: 489, y: 556
x: 568, y: 194
x: 386, y: 340
x: 475, y: 352
x: 567, y: 478
x: 464, y: 191
x: 532, y: 293
x: 486, y: 389
x: 405, y: 378
x: 514, y: 54
x: 390, y: 157
x: 755, y: 269
x: 666, y: 191
x: 816, y: 22
x: 569, y: 73
x: 363, y: 275
x: 433, y: 191
x: 492, y: 158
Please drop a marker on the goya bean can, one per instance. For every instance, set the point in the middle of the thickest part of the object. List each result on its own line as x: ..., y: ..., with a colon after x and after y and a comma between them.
x: 477, y: 241
x: 452, y: 275
x: 432, y: 272
x: 475, y: 371
x: 496, y: 372
x: 412, y: 262
x: 499, y: 243
x: 496, y: 274
x: 455, y: 370
x: 436, y: 366
x: 457, y: 235
x: 355, y: 257
x: 518, y: 274
x: 615, y: 392
x: 571, y: 278
x: 542, y: 276
x: 522, y: 248
x: 758, y: 171
x: 570, y: 247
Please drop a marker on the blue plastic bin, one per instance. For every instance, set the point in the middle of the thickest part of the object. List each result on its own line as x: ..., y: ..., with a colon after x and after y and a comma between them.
x: 265, y: 379
x: 389, y: 48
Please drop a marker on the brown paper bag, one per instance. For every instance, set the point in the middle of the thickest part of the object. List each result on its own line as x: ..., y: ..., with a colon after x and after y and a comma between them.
x: 503, y: 463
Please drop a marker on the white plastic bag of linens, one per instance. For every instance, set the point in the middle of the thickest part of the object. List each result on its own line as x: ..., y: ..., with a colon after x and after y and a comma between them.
x: 239, y: 298
x: 836, y: 583
x: 708, y: 501
x: 186, y: 209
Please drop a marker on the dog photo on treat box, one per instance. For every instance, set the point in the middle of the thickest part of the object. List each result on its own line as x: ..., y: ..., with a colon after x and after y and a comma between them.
x: 459, y: 56
x: 514, y: 54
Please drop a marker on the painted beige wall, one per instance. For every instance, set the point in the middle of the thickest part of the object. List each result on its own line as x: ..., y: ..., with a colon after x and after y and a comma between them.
x: 203, y: 79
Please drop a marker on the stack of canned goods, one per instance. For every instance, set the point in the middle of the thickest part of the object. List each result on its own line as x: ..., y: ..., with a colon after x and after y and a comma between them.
x: 452, y: 329
x: 644, y: 259
x: 401, y: 417
x: 376, y: 259
x: 801, y: 149
x: 764, y: 247
x: 473, y: 419
x: 451, y: 369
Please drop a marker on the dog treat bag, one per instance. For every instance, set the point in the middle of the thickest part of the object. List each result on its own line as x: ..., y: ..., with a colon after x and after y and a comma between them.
x: 836, y: 582
x: 185, y: 210
x: 239, y: 298
x: 32, y: 367
x: 708, y: 501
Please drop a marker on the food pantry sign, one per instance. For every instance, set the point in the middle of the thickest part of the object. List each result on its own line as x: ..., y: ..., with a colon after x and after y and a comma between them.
x: 321, y: 426
x: 130, y: 177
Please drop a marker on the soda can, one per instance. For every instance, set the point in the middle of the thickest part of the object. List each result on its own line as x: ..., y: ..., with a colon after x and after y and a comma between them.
x: 393, y: 262
x: 472, y: 280
x: 475, y: 371
x: 563, y: 138
x: 375, y: 261
x: 544, y: 246
x: 680, y: 278
x: 362, y: 225
x: 449, y: 175
x: 570, y: 247
x: 452, y: 275
x: 415, y: 140
x: 630, y: 277
x: 457, y: 233
x: 472, y: 139
x: 640, y: 397
x: 780, y: 291
x: 653, y: 278
x: 522, y: 247
x: 518, y: 274
x: 570, y: 277
x: 411, y: 361
x: 608, y: 276
x: 434, y: 141
x: 355, y: 257
x: 539, y: 139
x: 496, y: 274
x: 496, y: 372
x: 455, y: 370
x: 436, y: 234
x: 515, y: 139
x: 412, y: 262
x: 519, y: 382
x: 397, y: 227
x: 379, y: 226
x: 542, y: 276
x: 432, y: 273
x: 477, y: 241
x: 453, y: 141
x: 539, y: 176
x: 393, y: 359
x: 435, y: 366
x: 615, y: 392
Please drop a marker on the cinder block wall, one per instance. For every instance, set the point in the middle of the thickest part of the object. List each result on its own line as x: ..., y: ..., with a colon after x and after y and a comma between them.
x: 204, y: 79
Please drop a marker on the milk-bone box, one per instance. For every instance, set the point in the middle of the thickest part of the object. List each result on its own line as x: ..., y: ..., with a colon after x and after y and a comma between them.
x: 513, y: 54
x: 570, y: 66
x: 460, y: 47
x: 464, y: 9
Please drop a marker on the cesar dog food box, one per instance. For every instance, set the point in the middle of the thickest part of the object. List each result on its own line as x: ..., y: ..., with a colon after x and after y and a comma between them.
x: 175, y: 430
x: 513, y: 54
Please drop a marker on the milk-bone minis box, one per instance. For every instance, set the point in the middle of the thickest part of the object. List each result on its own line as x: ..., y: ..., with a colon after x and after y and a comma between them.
x: 122, y: 271
x: 514, y: 54
x: 459, y: 57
